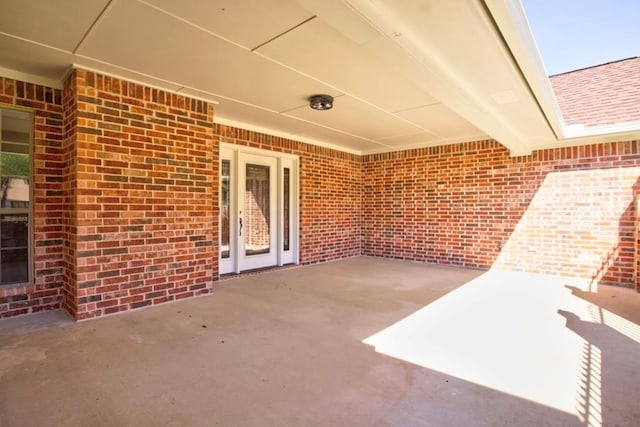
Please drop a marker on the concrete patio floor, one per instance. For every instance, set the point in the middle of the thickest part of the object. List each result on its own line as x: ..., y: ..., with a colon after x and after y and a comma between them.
x: 358, y: 342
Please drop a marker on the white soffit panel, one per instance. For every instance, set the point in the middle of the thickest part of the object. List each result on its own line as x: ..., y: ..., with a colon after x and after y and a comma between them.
x: 441, y: 121
x: 464, y: 62
x: 317, y: 49
x: 418, y: 139
x: 34, y: 59
x: 233, y: 113
x: 355, y: 117
x: 246, y: 22
x: 190, y: 57
x: 59, y: 23
x: 126, y: 74
x: 227, y: 110
x: 343, y: 18
x: 338, y: 140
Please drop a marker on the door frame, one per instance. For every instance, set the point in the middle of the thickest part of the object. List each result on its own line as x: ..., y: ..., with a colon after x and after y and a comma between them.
x: 232, y: 153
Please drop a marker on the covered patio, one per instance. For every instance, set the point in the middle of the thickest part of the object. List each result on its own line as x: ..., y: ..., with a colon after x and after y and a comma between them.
x: 360, y: 341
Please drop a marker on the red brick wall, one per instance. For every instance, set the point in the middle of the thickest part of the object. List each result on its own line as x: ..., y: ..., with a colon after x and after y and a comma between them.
x: 147, y: 190
x: 46, y: 290
x: 330, y: 194
x: 126, y: 201
x: 566, y: 212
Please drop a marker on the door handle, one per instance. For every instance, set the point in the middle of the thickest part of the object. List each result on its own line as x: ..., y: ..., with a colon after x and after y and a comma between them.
x: 241, y: 226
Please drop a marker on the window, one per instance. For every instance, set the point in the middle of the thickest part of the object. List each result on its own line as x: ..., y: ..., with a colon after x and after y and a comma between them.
x: 15, y: 196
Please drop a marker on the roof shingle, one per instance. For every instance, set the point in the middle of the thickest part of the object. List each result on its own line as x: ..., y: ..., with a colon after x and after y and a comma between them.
x: 601, y: 95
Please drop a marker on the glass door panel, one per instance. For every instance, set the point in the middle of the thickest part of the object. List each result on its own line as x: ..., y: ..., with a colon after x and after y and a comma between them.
x: 228, y: 213
x: 288, y: 243
x: 285, y: 208
x: 225, y: 209
x: 257, y: 224
x: 257, y: 213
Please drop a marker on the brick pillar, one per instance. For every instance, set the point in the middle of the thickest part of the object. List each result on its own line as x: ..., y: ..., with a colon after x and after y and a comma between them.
x: 69, y: 187
x: 141, y: 187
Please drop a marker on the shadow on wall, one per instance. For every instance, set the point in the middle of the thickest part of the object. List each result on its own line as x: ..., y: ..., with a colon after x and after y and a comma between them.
x: 579, y: 223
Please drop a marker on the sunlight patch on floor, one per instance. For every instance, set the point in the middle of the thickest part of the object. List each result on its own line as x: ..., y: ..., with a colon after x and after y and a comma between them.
x: 508, y: 331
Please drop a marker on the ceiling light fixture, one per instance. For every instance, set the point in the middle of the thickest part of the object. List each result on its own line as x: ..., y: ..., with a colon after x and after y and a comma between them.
x: 321, y: 102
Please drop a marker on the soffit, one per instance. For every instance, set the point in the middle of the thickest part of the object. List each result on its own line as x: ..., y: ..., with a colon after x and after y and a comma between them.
x: 196, y: 58
x: 426, y: 73
x: 318, y: 49
x: 441, y: 121
x: 249, y: 23
x: 59, y: 24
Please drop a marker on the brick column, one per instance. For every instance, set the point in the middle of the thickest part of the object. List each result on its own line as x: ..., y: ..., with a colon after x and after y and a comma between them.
x: 69, y: 187
x: 141, y: 186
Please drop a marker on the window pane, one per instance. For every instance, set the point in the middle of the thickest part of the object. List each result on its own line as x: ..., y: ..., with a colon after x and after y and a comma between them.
x: 15, y: 194
x: 14, y: 180
x: 14, y: 250
x: 285, y: 209
x: 14, y: 231
x: 16, y: 127
x: 225, y: 204
x: 14, y: 266
x: 256, y: 210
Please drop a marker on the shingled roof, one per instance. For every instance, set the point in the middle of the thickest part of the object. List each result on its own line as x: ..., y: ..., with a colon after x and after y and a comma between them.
x: 601, y: 95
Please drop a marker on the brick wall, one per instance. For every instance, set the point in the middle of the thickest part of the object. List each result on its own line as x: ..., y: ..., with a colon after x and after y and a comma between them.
x: 146, y: 193
x: 567, y: 212
x: 45, y: 293
x: 330, y: 194
x: 126, y: 201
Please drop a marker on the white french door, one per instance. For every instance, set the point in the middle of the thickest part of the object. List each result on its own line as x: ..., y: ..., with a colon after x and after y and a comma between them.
x: 258, y: 209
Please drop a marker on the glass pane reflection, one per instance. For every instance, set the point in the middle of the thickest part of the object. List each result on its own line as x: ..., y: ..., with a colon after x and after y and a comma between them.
x: 225, y: 205
x: 285, y: 208
x: 14, y: 251
x: 14, y: 180
x: 256, y: 210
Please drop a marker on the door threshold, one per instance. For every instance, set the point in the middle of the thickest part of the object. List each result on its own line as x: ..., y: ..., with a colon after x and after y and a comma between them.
x: 228, y: 276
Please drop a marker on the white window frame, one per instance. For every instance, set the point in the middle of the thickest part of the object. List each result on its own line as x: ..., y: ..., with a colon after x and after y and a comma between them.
x: 29, y: 211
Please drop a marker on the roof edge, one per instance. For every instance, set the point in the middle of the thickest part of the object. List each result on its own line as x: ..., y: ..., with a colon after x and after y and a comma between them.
x: 595, y: 66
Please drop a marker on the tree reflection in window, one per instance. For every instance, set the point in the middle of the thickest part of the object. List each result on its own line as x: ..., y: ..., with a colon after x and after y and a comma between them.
x: 14, y: 181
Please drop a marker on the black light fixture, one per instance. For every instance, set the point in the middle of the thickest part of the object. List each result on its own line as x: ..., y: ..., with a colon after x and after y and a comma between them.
x: 321, y: 102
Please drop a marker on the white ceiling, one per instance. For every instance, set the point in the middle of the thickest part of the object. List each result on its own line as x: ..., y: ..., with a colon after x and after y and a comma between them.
x: 409, y: 73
